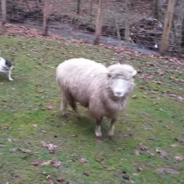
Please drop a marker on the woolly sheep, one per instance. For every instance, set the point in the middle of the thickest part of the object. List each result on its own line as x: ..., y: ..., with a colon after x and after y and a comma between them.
x: 103, y: 90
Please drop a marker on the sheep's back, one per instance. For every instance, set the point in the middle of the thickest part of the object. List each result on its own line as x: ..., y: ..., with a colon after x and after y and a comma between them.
x: 80, y: 77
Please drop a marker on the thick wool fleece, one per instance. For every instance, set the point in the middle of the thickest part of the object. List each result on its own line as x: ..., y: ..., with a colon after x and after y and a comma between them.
x: 87, y: 82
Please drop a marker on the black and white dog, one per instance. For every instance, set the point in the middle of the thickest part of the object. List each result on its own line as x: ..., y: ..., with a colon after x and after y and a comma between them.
x: 6, y: 66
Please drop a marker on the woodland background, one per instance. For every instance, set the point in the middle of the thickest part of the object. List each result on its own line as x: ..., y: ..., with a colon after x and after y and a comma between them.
x: 130, y: 23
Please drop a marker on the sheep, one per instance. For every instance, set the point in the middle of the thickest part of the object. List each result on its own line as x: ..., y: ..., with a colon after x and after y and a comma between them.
x: 103, y: 90
x: 6, y: 66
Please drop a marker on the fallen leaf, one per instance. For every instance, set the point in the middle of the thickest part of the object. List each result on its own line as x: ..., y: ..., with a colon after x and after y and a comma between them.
x: 167, y: 170
x: 158, y: 82
x: 139, y: 167
x: 60, y: 179
x: 49, y: 107
x: 181, y: 140
x: 7, y: 128
x: 134, y: 96
x: 143, y: 147
x: 42, y: 91
x: 14, y: 149
x: 51, y: 147
x: 127, y: 135
x: 164, y: 154
x: 178, y: 157
x: 131, y: 181
x: 135, y: 174
x: 137, y: 152
x: 9, y: 140
x: 99, y: 159
x: 110, y: 168
x: 55, y: 163
x: 158, y: 150
x: 2, y: 145
x: 43, y: 131
x: 86, y: 173
x: 35, y: 163
x: 174, y: 145
x: 4, y: 101
x: 46, y: 163
x: 50, y: 181
x: 102, y: 153
x: 34, y: 125
x: 150, y: 138
x: 141, y: 87
x: 126, y: 177
x: 25, y: 150
x: 149, y: 152
x: 83, y: 160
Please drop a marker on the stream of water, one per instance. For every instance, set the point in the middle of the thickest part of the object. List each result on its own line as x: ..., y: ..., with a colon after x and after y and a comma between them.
x: 70, y: 32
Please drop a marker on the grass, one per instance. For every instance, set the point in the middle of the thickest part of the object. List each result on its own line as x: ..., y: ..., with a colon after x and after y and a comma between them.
x: 150, y: 137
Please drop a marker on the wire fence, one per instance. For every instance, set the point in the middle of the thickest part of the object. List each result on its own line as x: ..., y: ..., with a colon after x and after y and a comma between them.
x: 68, y: 17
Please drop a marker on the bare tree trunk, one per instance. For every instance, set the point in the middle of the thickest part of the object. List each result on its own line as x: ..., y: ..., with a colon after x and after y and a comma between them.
x: 45, y: 17
x: 127, y: 25
x: 37, y: 2
x: 4, y: 14
x: 91, y: 10
x: 118, y: 32
x: 167, y: 26
x: 78, y: 6
x: 182, y: 35
x: 27, y: 4
x: 156, y: 9
x: 98, y: 29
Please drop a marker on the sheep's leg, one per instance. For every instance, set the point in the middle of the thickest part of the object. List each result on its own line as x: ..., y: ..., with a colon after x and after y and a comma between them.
x: 111, y: 129
x: 9, y: 75
x: 74, y: 107
x: 64, y: 103
x: 98, y: 132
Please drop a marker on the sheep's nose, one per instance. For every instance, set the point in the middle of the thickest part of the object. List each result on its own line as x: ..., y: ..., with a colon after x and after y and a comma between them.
x: 119, y: 94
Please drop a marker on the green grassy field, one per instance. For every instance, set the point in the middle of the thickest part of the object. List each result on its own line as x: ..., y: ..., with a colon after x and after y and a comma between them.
x: 148, y: 146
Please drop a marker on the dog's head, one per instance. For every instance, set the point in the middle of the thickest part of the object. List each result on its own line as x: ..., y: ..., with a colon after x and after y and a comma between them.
x: 9, y: 64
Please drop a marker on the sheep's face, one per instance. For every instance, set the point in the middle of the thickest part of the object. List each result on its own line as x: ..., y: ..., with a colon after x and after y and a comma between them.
x: 120, y: 86
x: 121, y: 79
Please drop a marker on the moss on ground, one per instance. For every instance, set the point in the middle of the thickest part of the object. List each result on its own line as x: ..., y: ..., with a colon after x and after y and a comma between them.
x: 148, y: 138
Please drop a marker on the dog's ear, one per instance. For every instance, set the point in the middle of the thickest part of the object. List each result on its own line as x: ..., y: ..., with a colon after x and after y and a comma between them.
x: 12, y: 58
x: 8, y: 62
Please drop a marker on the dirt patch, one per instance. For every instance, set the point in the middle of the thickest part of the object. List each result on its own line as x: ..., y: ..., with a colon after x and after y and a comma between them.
x: 167, y: 170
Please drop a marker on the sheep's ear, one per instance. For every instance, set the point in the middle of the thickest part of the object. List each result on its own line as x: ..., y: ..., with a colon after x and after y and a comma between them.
x: 134, y: 73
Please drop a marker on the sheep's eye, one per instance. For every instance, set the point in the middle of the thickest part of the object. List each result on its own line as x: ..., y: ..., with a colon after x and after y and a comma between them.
x: 109, y: 75
x: 124, y: 78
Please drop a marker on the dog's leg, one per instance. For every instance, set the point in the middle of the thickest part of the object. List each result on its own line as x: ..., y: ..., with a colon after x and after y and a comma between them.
x: 9, y: 75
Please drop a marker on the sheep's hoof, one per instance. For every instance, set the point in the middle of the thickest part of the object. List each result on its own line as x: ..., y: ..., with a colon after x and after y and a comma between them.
x: 98, y: 134
x: 63, y: 123
x: 80, y: 116
x: 111, y: 134
x: 10, y: 79
x: 64, y: 115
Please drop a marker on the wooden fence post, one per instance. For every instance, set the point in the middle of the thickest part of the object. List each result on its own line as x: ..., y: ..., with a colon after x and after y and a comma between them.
x: 167, y: 26
x: 45, y: 17
x: 98, y: 29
